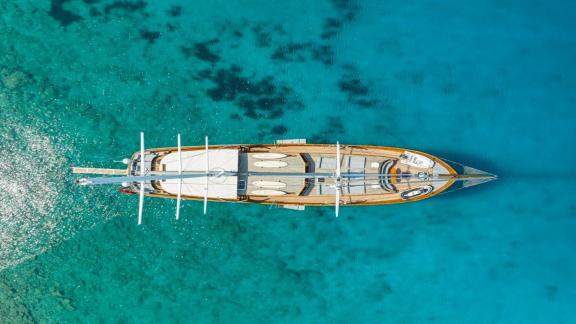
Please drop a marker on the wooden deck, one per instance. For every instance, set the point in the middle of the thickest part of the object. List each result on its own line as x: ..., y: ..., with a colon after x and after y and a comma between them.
x: 321, y: 158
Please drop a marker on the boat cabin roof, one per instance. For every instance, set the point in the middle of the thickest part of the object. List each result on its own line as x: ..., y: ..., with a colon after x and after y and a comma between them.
x: 224, y: 186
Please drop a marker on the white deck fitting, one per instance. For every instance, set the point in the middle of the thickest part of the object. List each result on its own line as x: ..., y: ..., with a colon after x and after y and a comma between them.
x: 416, y: 160
x: 218, y: 160
x: 294, y: 207
x: 179, y: 197
x: 271, y: 164
x: 265, y: 156
x: 292, y: 141
x: 142, y: 167
x: 267, y: 192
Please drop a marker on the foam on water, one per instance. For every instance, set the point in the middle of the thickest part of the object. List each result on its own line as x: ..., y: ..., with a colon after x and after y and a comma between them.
x: 37, y: 211
x: 30, y: 175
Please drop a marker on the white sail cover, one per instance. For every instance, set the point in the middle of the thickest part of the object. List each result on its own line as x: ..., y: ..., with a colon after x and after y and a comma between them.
x: 224, y: 186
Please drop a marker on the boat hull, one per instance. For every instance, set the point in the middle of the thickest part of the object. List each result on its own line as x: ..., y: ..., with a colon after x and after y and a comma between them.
x: 299, y: 174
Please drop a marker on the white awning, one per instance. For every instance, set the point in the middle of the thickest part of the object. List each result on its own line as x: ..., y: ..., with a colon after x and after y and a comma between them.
x: 224, y: 186
x: 222, y: 159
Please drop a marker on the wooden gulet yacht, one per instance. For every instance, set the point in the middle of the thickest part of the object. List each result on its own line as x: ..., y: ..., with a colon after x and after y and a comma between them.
x: 288, y: 173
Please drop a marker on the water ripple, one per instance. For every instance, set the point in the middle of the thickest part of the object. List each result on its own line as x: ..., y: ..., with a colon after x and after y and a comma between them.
x: 30, y: 184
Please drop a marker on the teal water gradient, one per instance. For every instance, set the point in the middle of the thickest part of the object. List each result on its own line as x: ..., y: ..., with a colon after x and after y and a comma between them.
x: 486, y: 83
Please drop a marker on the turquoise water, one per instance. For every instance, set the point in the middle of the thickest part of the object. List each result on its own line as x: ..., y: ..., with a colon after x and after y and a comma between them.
x: 486, y: 83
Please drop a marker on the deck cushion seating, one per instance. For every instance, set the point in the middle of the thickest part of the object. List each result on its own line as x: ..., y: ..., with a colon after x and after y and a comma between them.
x: 385, y: 170
x: 356, y: 163
x: 357, y: 187
x: 327, y: 189
x: 327, y: 163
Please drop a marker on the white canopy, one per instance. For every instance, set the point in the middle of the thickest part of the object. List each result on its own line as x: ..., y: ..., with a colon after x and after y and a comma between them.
x: 218, y: 160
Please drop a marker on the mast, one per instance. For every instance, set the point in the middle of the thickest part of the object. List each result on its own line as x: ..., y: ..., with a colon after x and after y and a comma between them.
x: 207, y: 171
x: 337, y: 180
x: 179, y: 197
x: 141, y: 199
x: 195, y: 174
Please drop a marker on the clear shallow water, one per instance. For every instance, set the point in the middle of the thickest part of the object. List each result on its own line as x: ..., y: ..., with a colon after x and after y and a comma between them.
x: 488, y: 84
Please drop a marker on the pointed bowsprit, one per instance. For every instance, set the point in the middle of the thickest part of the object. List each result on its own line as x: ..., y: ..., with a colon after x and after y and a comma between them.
x: 473, y: 177
x: 468, y: 176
